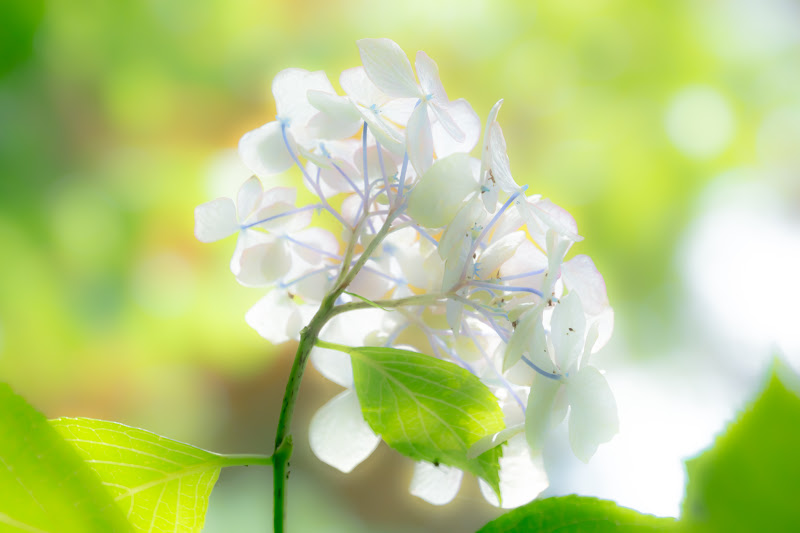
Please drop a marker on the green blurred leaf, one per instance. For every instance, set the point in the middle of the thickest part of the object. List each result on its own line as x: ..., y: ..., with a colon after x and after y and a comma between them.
x: 428, y: 409
x: 750, y: 479
x: 44, y: 484
x: 161, y: 484
x: 576, y: 514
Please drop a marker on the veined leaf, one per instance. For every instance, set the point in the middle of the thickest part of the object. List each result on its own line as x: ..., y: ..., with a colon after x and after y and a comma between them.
x: 160, y: 484
x: 427, y: 409
x: 44, y: 485
x: 576, y: 514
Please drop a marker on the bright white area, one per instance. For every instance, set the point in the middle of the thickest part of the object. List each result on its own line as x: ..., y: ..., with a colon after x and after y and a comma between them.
x: 741, y: 265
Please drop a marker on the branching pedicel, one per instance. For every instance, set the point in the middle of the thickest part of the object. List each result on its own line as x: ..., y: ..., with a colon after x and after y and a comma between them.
x: 444, y: 255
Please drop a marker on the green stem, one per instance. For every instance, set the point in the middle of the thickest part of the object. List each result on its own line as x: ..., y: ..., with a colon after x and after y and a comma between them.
x: 421, y: 299
x: 308, y: 336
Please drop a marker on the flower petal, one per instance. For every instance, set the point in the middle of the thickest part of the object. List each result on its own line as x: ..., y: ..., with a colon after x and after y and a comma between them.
x: 333, y: 364
x: 440, y: 192
x: 339, y: 435
x: 357, y: 85
x: 270, y: 316
x: 593, y: 416
x: 568, y: 331
x: 264, y: 151
x: 388, y: 67
x: 540, y: 409
x: 429, y: 79
x: 215, y: 220
x: 467, y: 121
x: 263, y: 264
x: 419, y: 139
x: 290, y: 88
x: 437, y: 485
x: 522, y: 476
x: 499, y: 252
x: 580, y: 275
x: 248, y: 197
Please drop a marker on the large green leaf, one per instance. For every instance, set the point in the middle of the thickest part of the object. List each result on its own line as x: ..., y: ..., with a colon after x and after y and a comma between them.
x: 160, y: 484
x: 750, y: 479
x: 427, y: 409
x: 574, y: 514
x: 44, y: 485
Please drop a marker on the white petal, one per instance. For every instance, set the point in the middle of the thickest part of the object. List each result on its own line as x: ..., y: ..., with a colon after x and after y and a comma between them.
x: 468, y: 122
x: 568, y: 330
x: 333, y: 364
x: 527, y: 258
x: 384, y: 132
x: 540, y: 410
x: 248, y: 197
x: 522, y: 476
x: 458, y: 229
x: 593, y: 412
x: 492, y: 441
x: 429, y: 79
x: 419, y: 139
x: 501, y: 169
x: 605, y: 327
x: 270, y: 316
x: 315, y: 286
x: 370, y: 285
x: 486, y: 153
x: 340, y: 107
x: 357, y: 85
x: 522, y: 336
x: 339, y: 435
x: 437, y: 485
x: 215, y: 220
x: 442, y: 114
x: 388, y: 67
x: 374, y: 171
x: 440, y: 192
x: 580, y: 275
x: 325, y: 126
x: 264, y: 151
x: 322, y: 241
x: 398, y: 110
x: 556, y: 218
x: 499, y: 252
x: 290, y: 88
x: 262, y: 264
x: 454, y: 310
x: 338, y: 117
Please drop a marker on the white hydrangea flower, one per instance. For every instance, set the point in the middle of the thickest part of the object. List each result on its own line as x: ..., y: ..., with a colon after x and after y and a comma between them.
x: 473, y: 269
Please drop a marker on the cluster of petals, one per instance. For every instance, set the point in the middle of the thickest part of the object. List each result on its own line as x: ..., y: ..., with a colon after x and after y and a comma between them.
x: 505, y: 303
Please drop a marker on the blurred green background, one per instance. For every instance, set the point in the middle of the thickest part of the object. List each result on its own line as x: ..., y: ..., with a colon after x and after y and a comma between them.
x: 671, y: 130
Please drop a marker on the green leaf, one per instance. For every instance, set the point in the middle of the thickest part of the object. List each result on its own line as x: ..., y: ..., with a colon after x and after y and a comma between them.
x: 44, y: 485
x: 160, y: 484
x: 428, y: 409
x: 576, y: 514
x: 750, y: 479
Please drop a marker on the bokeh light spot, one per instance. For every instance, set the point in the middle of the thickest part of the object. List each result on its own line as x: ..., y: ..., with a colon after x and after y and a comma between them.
x: 699, y: 122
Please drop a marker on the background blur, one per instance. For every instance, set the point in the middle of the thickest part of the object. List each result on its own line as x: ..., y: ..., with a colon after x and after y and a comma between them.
x: 671, y: 130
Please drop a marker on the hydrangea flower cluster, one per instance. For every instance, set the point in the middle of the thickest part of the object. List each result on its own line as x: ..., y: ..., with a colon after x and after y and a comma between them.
x: 458, y: 260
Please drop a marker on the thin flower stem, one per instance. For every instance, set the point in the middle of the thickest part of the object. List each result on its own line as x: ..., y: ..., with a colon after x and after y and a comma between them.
x: 308, y: 337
